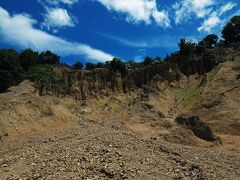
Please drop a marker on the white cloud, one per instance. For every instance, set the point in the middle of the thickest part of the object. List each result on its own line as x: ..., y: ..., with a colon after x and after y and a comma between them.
x: 210, y: 23
x: 57, y: 18
x: 68, y: 1
x: 57, y: 2
x: 227, y: 7
x: 185, y: 9
x: 138, y: 11
x: 18, y: 30
x: 214, y: 20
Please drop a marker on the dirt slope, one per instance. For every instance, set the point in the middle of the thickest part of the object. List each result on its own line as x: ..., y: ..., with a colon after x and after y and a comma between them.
x: 124, y: 136
x: 220, y: 99
x: 24, y: 112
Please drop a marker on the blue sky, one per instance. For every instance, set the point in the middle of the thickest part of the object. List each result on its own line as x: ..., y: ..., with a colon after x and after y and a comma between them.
x: 98, y: 30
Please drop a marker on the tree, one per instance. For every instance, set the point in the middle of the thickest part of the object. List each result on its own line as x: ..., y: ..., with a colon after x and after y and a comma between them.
x: 132, y: 65
x: 231, y: 32
x: 186, y: 47
x: 117, y: 65
x: 44, y: 77
x: 100, y: 65
x: 167, y: 58
x: 148, y: 61
x: 90, y: 66
x: 78, y: 65
x: 210, y: 41
x: 48, y: 57
x: 9, y: 60
x: 158, y: 60
x: 5, y: 80
x: 28, y: 58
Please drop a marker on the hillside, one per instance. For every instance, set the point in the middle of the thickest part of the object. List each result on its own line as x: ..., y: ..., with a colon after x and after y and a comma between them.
x: 110, y: 126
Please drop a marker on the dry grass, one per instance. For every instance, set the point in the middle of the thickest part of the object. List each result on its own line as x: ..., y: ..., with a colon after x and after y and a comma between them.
x: 187, y: 98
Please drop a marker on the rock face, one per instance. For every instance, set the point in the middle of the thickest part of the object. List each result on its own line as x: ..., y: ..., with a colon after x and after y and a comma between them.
x: 103, y: 82
x: 199, y: 128
x: 121, y: 132
x: 84, y: 85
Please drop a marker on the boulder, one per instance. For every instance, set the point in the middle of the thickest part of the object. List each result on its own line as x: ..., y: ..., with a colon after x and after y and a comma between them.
x: 198, y: 127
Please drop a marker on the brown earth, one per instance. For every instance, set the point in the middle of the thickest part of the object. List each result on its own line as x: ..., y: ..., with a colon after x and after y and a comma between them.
x: 124, y: 135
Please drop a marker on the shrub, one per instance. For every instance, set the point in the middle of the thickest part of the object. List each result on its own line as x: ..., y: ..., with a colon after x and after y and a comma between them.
x: 231, y: 32
x: 5, y: 80
x: 78, y: 65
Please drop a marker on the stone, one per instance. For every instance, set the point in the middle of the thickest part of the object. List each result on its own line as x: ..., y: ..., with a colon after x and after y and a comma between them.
x: 198, y: 127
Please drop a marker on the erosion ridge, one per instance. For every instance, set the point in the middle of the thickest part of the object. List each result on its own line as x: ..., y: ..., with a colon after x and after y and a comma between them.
x: 153, y: 92
x: 149, y: 123
x: 87, y: 84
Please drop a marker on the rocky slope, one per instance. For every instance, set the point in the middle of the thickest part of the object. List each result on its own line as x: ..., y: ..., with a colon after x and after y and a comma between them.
x: 115, y: 127
x: 104, y: 150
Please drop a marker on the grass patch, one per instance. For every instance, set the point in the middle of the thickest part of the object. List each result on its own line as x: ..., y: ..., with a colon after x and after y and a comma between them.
x: 68, y: 103
x: 187, y: 98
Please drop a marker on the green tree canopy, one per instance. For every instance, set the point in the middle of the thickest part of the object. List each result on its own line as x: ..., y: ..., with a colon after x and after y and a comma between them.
x: 210, y: 41
x: 231, y: 32
x: 158, y: 60
x: 117, y: 65
x: 28, y: 58
x: 148, y: 61
x: 90, y: 66
x: 100, y: 65
x: 186, y: 47
x: 9, y: 60
x: 78, y: 65
x: 5, y: 80
x: 48, y: 57
x: 132, y: 65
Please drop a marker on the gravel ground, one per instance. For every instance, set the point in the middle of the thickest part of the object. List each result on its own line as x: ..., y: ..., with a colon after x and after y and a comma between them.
x: 105, y: 150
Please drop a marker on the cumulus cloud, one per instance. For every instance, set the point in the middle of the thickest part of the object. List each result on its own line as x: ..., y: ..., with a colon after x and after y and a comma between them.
x: 138, y: 11
x: 185, y: 9
x: 208, y: 10
x: 214, y: 20
x: 210, y: 23
x: 227, y: 7
x: 57, y: 18
x: 19, y: 30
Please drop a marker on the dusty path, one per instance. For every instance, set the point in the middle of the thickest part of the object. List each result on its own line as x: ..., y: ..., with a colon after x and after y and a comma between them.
x: 104, y: 150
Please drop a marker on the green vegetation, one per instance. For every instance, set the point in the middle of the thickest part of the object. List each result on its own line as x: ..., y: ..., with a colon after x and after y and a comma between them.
x: 90, y: 66
x: 210, y: 41
x: 100, y: 65
x: 28, y: 58
x: 5, y: 80
x: 231, y: 32
x: 186, y: 47
x: 78, y: 66
x: 15, y: 67
x: 186, y: 98
x: 41, y: 73
x: 117, y: 65
x: 191, y: 58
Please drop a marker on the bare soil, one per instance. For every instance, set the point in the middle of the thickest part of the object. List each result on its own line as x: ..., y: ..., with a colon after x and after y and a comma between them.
x: 123, y: 136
